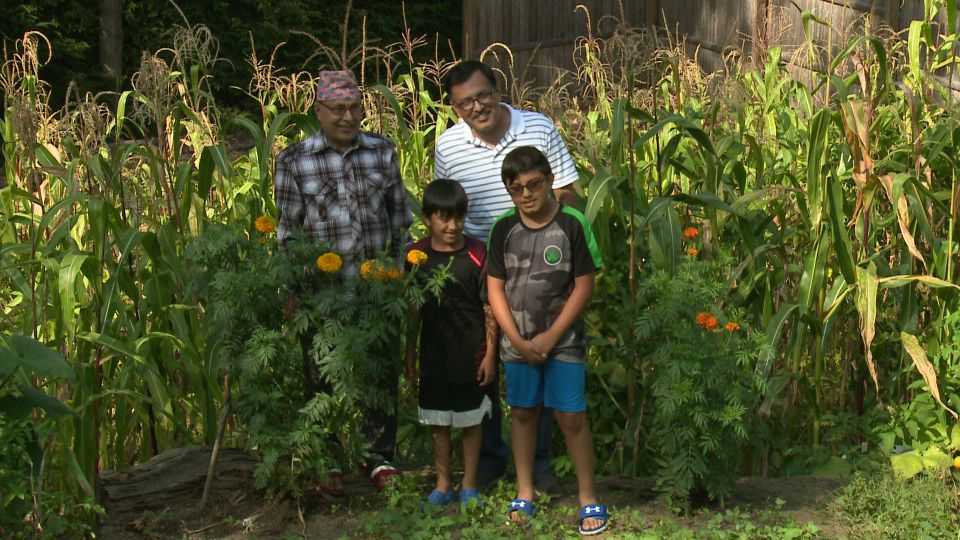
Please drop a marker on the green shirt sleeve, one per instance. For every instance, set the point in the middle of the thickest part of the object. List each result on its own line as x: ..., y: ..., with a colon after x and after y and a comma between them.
x: 586, y: 253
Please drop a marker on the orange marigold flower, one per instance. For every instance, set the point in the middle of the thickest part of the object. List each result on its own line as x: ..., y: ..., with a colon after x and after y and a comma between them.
x: 691, y: 232
x: 706, y: 320
x: 692, y: 251
x: 367, y: 269
x: 731, y: 326
x: 710, y: 323
x: 329, y: 262
x: 265, y: 224
x: 392, y: 273
x: 416, y: 257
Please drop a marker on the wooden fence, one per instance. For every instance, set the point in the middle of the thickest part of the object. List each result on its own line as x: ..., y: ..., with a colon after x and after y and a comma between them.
x: 542, y: 33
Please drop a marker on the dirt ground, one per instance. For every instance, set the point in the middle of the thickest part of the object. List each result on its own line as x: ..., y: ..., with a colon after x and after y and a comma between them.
x: 160, y: 499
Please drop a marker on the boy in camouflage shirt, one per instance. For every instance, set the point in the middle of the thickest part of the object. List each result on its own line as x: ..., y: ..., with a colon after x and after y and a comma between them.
x: 542, y: 257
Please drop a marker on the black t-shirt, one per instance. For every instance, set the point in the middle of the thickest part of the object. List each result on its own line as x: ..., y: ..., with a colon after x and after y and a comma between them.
x: 452, y: 332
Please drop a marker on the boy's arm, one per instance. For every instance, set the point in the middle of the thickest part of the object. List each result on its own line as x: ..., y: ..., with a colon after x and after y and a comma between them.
x: 501, y: 311
x: 574, y: 306
x: 410, y: 356
x: 491, y: 331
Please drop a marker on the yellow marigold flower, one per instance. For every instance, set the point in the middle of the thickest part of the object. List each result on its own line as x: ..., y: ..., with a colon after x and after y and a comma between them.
x: 692, y: 251
x: 956, y: 462
x: 690, y: 233
x: 393, y: 273
x: 329, y: 262
x: 265, y: 224
x: 367, y: 269
x: 416, y: 257
x: 731, y: 326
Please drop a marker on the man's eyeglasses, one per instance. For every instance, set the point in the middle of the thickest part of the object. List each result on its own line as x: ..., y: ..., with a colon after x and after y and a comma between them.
x: 532, y: 186
x: 356, y: 109
x: 487, y: 97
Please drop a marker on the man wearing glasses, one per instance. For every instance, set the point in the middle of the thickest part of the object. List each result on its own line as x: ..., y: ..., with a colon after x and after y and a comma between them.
x: 472, y: 152
x: 342, y: 187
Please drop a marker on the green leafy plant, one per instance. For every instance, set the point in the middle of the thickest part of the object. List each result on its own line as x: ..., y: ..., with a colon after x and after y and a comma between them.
x: 882, y: 506
x: 347, y: 327
x: 28, y: 418
x: 703, y: 382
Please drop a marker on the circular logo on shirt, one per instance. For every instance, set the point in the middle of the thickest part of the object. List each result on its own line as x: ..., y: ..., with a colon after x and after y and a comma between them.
x: 552, y: 255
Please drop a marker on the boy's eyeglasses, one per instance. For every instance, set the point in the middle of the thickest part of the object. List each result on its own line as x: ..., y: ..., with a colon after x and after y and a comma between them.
x: 486, y: 97
x: 532, y: 186
x: 356, y: 109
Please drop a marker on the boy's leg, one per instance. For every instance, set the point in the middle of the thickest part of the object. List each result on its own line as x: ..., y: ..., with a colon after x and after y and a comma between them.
x: 471, y: 453
x: 441, y: 457
x: 523, y: 438
x: 525, y: 397
x: 579, y: 440
x: 564, y: 390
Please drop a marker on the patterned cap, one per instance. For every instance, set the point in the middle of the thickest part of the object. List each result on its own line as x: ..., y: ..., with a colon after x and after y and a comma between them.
x: 337, y: 86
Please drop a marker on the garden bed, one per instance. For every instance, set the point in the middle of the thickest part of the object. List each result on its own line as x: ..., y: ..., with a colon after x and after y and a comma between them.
x: 160, y: 499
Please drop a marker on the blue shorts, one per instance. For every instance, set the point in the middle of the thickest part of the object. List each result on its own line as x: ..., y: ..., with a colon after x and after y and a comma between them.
x: 555, y: 384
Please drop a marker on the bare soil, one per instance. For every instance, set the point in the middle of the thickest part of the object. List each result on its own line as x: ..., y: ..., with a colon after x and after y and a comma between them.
x: 160, y: 499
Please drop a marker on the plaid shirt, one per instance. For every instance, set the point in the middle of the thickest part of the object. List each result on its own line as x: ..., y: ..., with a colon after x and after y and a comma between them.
x: 354, y: 201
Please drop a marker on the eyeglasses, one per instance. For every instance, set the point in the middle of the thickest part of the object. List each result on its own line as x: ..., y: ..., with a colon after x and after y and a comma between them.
x: 532, y: 186
x: 356, y: 109
x: 487, y: 97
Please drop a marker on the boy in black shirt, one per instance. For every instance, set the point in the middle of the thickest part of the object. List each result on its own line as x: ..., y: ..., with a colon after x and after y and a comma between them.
x: 457, y: 338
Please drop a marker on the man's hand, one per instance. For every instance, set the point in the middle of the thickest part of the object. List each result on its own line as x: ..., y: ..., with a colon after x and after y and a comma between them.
x: 486, y: 370
x: 290, y: 308
x: 544, y: 343
x: 528, y: 352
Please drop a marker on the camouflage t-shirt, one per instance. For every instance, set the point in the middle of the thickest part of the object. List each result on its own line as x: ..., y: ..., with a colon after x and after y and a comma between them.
x: 538, y: 267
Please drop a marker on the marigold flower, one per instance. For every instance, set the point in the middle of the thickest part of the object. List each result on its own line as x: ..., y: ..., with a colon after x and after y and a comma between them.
x: 692, y: 251
x: 691, y: 232
x: 393, y: 273
x: 956, y: 462
x: 416, y: 257
x: 329, y: 262
x: 265, y: 224
x: 706, y: 320
x: 367, y: 269
x: 710, y: 323
x: 731, y: 326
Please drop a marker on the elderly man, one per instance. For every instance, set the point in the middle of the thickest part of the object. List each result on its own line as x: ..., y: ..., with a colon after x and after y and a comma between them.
x: 472, y: 152
x: 342, y: 187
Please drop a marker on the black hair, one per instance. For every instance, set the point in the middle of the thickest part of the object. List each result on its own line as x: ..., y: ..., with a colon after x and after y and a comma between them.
x: 521, y: 160
x: 446, y: 197
x: 463, y: 71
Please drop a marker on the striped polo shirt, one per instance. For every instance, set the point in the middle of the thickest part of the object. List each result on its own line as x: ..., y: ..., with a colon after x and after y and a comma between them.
x: 462, y: 156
